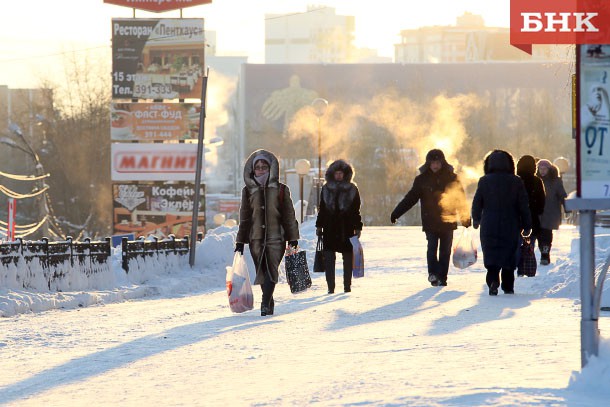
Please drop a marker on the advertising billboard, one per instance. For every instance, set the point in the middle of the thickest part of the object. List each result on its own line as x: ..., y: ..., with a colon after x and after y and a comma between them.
x: 157, y: 58
x: 158, y: 208
x: 594, y: 140
x: 153, y: 161
x: 154, y: 121
x: 157, y: 6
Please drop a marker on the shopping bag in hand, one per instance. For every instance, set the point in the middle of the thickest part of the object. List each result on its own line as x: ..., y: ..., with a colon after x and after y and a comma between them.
x: 465, y: 251
x: 318, y: 262
x: 297, y: 272
x: 358, y: 258
x: 527, y: 262
x: 239, y: 289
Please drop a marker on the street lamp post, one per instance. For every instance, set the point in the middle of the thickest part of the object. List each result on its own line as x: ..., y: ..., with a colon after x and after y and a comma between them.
x: 319, y: 106
x: 302, y: 168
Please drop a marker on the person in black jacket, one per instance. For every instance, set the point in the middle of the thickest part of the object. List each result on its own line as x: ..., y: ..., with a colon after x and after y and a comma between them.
x: 339, y: 219
x: 526, y: 170
x: 442, y: 202
x: 500, y: 207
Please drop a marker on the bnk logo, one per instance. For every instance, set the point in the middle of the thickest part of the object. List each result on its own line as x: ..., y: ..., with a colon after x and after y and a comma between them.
x: 559, y: 22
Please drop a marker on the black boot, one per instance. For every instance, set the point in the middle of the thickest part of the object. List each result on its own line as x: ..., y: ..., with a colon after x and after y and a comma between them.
x: 271, y: 307
x: 264, y: 310
x: 545, y: 255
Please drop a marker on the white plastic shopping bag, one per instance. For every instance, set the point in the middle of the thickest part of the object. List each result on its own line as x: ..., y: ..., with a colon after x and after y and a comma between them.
x: 358, y: 258
x: 239, y: 289
x: 465, y: 251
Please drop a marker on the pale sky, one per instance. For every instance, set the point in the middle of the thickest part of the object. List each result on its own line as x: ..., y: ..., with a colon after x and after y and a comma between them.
x: 32, y: 30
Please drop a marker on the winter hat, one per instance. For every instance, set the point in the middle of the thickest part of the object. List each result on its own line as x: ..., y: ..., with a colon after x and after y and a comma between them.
x: 435, y: 155
x: 545, y: 163
x: 260, y: 157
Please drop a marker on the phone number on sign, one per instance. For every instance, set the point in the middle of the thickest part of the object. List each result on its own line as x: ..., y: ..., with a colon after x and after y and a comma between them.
x: 156, y: 90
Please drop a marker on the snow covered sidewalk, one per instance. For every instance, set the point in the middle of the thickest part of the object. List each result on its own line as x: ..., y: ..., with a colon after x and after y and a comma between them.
x: 394, y: 340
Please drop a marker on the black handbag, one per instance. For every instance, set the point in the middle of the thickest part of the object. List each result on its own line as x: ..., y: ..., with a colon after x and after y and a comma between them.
x: 527, y: 262
x: 297, y: 272
x: 318, y: 262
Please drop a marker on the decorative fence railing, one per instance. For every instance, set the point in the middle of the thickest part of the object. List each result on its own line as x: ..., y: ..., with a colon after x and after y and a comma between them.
x: 68, y: 265
x: 42, y: 264
x: 142, y: 249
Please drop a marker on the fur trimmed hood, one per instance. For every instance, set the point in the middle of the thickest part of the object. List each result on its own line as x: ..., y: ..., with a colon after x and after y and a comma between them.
x: 339, y: 196
x: 274, y: 170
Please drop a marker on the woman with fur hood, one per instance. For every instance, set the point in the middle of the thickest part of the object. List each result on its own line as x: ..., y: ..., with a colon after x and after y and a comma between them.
x: 500, y: 206
x: 551, y: 216
x: 526, y: 170
x: 266, y: 221
x: 338, y: 220
x: 443, y: 201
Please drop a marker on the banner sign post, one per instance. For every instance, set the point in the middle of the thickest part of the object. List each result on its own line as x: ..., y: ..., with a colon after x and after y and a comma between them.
x: 154, y: 121
x: 157, y: 58
x: 157, y: 6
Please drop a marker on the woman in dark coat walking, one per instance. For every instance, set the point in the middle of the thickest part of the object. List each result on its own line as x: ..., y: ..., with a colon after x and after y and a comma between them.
x: 551, y: 216
x: 266, y: 221
x: 442, y: 202
x: 526, y: 170
x: 338, y: 220
x: 500, y: 207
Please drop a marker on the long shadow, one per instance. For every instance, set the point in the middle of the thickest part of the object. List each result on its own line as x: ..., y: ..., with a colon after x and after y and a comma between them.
x: 488, y: 308
x: 100, y: 362
x: 400, y: 309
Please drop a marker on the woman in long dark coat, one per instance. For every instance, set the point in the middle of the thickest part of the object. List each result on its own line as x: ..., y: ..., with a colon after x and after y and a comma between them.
x: 501, y: 208
x: 551, y: 216
x: 526, y: 169
x: 266, y: 221
x: 338, y: 220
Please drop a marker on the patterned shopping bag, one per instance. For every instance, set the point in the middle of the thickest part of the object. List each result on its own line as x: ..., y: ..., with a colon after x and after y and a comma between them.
x: 527, y: 262
x: 297, y: 271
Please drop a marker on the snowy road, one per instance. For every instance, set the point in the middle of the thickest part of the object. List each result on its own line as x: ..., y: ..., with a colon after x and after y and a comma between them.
x: 394, y: 340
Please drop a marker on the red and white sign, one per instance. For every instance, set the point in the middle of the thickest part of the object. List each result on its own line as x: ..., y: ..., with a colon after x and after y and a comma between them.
x: 12, y: 212
x: 558, y: 22
x: 157, y: 6
x: 153, y: 162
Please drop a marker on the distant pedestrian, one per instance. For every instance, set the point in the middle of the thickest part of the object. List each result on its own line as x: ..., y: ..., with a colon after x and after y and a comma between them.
x: 551, y: 216
x: 500, y: 207
x: 526, y: 170
x: 339, y: 219
x: 266, y: 221
x: 443, y: 203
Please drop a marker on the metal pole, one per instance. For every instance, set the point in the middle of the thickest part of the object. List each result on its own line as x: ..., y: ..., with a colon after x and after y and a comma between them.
x: 200, y: 152
x: 301, y: 191
x: 589, y: 332
x: 319, y: 180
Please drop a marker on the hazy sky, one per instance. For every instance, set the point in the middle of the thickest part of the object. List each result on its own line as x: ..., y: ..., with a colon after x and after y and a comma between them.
x: 34, y: 30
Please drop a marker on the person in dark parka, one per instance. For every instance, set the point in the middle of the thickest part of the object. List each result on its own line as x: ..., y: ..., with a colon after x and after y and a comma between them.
x: 442, y: 201
x: 551, y: 216
x: 266, y: 221
x: 526, y: 170
x: 500, y: 207
x: 339, y: 219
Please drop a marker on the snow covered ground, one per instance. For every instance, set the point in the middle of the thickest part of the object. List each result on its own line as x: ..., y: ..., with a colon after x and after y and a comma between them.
x: 170, y: 338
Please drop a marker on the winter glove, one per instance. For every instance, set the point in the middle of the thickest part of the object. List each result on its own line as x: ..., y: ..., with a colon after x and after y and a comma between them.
x: 293, y: 243
x: 318, y: 231
x: 392, y: 219
x: 239, y: 247
x: 475, y: 224
x: 466, y: 223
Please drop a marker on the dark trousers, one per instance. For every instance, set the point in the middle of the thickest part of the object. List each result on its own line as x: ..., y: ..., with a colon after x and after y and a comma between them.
x: 329, y: 266
x: 545, y: 238
x: 439, y: 252
x: 508, y: 277
x: 268, y: 287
